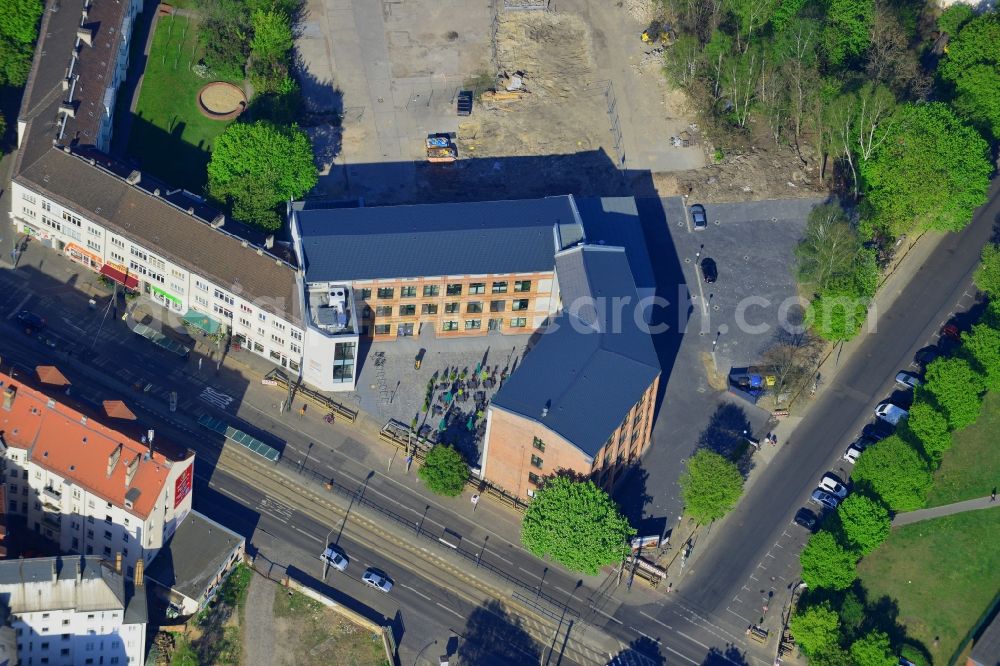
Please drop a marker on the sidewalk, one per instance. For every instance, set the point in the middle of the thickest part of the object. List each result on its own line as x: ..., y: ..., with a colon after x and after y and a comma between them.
x: 938, y: 511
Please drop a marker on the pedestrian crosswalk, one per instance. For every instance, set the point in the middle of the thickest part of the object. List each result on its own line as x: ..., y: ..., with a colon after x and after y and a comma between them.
x: 214, y: 397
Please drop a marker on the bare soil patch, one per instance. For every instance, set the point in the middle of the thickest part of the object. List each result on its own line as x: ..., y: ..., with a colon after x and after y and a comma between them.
x: 221, y: 100
x: 313, y: 635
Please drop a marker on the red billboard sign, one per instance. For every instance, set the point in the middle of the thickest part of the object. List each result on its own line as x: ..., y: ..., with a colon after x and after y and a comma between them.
x: 183, y: 486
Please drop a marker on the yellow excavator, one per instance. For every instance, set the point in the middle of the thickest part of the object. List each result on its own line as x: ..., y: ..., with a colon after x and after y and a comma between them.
x: 658, y: 31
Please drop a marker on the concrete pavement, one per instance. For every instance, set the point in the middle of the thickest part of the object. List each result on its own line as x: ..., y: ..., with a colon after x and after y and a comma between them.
x: 948, y: 509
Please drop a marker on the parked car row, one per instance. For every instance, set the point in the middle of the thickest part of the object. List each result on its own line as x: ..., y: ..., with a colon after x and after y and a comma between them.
x: 337, y: 558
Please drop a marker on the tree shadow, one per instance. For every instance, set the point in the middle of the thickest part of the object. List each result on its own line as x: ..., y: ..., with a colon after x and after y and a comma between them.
x: 640, y: 652
x: 726, y: 434
x: 631, y: 494
x: 730, y: 656
x: 494, y: 636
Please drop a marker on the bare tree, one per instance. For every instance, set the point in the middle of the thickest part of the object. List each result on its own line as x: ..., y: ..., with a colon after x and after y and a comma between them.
x: 802, y: 77
x: 750, y: 15
x: 876, y: 105
x: 773, y: 98
x: 790, y: 360
x: 842, y: 121
x: 742, y: 73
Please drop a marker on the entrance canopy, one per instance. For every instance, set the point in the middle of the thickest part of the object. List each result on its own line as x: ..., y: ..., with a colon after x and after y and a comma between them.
x: 128, y: 281
x: 202, y: 321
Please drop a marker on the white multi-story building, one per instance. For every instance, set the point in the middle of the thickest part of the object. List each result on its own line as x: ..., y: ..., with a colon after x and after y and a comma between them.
x: 74, y: 611
x: 89, y: 488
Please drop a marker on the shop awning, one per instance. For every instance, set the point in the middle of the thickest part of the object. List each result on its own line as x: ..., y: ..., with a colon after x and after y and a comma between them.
x: 129, y: 281
x: 169, y: 297
x: 202, y: 321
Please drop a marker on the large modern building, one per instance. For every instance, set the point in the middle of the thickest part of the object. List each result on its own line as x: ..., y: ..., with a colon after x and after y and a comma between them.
x: 85, y: 486
x: 74, y: 611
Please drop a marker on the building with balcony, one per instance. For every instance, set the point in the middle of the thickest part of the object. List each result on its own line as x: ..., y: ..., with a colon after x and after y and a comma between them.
x: 74, y: 611
x: 87, y: 487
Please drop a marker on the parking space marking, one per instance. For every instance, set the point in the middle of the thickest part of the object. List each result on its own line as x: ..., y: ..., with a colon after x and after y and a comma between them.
x: 19, y: 306
x: 730, y: 610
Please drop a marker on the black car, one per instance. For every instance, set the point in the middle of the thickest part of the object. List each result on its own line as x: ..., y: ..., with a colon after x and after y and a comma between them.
x: 709, y: 271
x: 926, y: 355
x: 806, y: 518
x: 877, y: 431
x: 698, y: 217
x: 31, y: 322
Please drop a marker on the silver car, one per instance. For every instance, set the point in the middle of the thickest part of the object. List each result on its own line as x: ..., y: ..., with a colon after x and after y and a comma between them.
x: 377, y: 579
x: 698, y: 217
x: 832, y: 485
x: 908, y: 380
x: 335, y: 557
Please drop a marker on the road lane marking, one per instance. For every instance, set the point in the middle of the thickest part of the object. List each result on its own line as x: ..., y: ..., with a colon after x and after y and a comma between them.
x: 20, y: 305
x: 662, y: 624
x: 699, y: 643
x: 499, y: 557
x: 529, y: 573
x: 314, y: 538
x: 461, y: 617
x: 655, y: 640
x: 685, y: 658
x: 415, y: 591
x: 607, y: 615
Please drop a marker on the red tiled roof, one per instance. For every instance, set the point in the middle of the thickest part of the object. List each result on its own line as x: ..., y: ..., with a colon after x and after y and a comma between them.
x: 49, y: 374
x: 77, y: 448
x: 117, y: 409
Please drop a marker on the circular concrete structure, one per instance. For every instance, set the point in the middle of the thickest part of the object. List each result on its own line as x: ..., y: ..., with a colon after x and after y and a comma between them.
x: 221, y: 101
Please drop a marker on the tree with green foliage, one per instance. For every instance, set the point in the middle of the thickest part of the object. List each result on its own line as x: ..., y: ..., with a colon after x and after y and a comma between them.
x: 831, y: 655
x: 847, y: 31
x: 955, y: 17
x: 270, y: 50
x: 577, y: 524
x: 711, y: 485
x: 257, y: 167
x: 18, y: 32
x: 928, y: 425
x: 444, y: 471
x: 784, y: 13
x: 864, y: 521
x: 225, y: 30
x: 815, y: 628
x: 826, y: 564
x: 957, y: 388
x: 851, y: 612
x: 931, y: 172
x: 971, y: 69
x: 828, y: 248
x: 873, y: 649
x: 987, y: 275
x: 838, y: 313
x: 896, y: 472
x: 982, y: 344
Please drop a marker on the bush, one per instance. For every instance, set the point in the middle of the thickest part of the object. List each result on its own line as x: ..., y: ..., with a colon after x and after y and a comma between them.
x: 826, y: 564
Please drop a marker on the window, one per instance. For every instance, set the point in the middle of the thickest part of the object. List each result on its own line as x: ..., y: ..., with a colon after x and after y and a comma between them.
x: 449, y: 326
x: 46, y: 205
x: 30, y: 213
x: 107, y: 534
x: 366, y: 294
x: 157, y: 263
x: 244, y: 322
x: 275, y: 338
x: 295, y: 348
x: 432, y: 290
x: 296, y: 335
x: 177, y: 273
x: 30, y: 198
x: 93, y: 231
x: 536, y: 462
x: 223, y: 296
x: 93, y: 246
x: 383, y: 310
x: 201, y: 300
x: 118, y: 242
x: 407, y: 310
x: 117, y: 257
x: 474, y: 307
x: 72, y: 219
x: 137, y: 267
x: 500, y: 287
x: 385, y: 292
x: 277, y: 324
x: 343, y: 362
x: 450, y: 308
x: 107, y: 520
x: 201, y: 285
x: 218, y: 309
x: 407, y: 292
x: 429, y: 309
x: 404, y: 330
x: 477, y: 288
x: 519, y: 304
x: 518, y: 322
x: 538, y: 444
x: 522, y: 285
x: 473, y: 324
x: 136, y: 252
x: 454, y: 290
x: 383, y: 329
x: 534, y: 478
x: 497, y: 306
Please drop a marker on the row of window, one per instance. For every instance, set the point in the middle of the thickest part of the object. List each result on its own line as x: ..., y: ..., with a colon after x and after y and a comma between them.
x: 431, y: 290
x: 472, y: 307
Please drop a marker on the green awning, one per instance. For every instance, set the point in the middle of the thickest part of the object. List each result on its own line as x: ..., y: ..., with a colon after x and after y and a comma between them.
x: 169, y: 297
x: 202, y: 321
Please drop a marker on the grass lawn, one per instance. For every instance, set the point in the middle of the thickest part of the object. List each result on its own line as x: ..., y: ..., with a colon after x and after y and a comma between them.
x: 972, y: 467
x: 943, y: 574
x: 314, y: 635
x: 169, y: 135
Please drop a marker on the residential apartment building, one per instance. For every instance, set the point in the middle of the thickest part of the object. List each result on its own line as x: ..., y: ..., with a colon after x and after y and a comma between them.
x: 85, y: 486
x: 74, y: 611
x: 163, y: 243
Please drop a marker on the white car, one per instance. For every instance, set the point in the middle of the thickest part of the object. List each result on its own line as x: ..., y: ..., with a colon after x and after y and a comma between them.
x: 825, y: 499
x: 852, y: 454
x: 832, y: 485
x: 335, y: 557
x: 908, y: 380
x: 891, y: 413
x: 377, y: 579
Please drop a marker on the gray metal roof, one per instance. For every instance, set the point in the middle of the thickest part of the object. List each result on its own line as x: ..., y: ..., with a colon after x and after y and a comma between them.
x: 189, y: 561
x: 472, y: 238
x: 615, y: 221
x: 591, y: 366
x: 986, y: 648
x: 50, y: 583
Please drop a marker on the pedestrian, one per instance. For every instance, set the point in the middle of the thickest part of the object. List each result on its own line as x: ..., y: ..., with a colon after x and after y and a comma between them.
x: 302, y: 410
x: 993, y: 495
